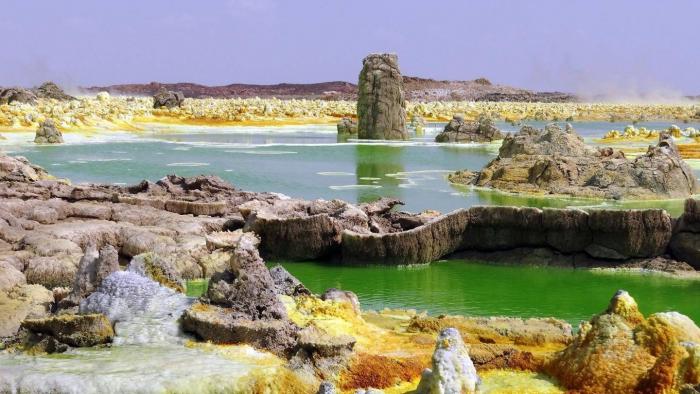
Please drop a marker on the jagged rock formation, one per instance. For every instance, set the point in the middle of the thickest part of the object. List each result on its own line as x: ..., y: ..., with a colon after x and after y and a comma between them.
x: 621, y: 351
x: 459, y: 130
x: 11, y: 95
x: 244, y: 305
x: 47, y: 133
x: 452, y: 369
x: 347, y: 127
x: 381, y: 109
x: 554, y: 161
x: 50, y: 90
x: 167, y: 99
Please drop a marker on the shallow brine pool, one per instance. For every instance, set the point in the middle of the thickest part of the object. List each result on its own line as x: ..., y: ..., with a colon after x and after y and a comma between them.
x: 477, y: 289
x: 299, y: 161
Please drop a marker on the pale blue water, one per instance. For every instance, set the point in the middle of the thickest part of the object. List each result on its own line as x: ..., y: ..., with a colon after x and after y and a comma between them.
x: 300, y: 161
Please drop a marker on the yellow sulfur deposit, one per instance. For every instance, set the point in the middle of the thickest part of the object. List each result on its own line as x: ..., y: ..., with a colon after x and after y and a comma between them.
x: 128, y: 113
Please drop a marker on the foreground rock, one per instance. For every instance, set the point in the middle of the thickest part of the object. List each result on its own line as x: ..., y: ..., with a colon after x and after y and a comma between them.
x: 167, y: 99
x: 47, y: 133
x: 621, y: 351
x: 74, y: 330
x: 459, y: 130
x: 452, y: 369
x: 19, y: 169
x: 244, y: 306
x: 381, y: 109
x: 554, y: 161
x: 20, y: 303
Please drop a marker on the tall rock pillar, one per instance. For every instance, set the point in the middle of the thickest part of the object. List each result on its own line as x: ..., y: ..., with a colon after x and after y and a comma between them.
x: 381, y: 109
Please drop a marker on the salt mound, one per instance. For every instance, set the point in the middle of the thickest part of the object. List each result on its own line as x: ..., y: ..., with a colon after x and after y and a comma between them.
x: 143, y: 311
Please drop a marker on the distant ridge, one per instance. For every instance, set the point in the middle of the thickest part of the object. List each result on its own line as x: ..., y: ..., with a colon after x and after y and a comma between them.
x: 416, y: 89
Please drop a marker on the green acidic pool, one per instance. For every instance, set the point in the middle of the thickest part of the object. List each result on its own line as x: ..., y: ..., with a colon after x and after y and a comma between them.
x: 468, y: 288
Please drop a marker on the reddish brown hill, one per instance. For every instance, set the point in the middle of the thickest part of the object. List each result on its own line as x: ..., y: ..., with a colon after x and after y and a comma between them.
x: 328, y: 90
x: 417, y: 89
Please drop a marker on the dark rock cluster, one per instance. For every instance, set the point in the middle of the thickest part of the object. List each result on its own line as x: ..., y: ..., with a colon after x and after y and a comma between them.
x: 167, y: 99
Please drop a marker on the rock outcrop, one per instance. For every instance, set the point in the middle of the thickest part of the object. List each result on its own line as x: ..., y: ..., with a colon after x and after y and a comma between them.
x: 11, y: 95
x: 556, y: 161
x: 47, y: 133
x: 452, y: 369
x: 74, y: 330
x: 381, y: 109
x: 50, y: 90
x: 19, y: 169
x: 459, y: 130
x: 167, y: 99
x: 299, y: 229
x: 244, y: 307
x: 422, y: 244
x: 621, y: 351
x: 601, y: 234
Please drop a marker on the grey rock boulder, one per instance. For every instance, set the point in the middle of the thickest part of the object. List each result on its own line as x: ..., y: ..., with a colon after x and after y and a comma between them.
x: 167, y: 99
x: 47, y: 133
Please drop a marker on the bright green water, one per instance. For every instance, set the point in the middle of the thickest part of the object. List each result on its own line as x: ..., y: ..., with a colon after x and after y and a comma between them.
x: 467, y: 288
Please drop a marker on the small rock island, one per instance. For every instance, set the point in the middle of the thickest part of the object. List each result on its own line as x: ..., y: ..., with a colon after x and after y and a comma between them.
x: 558, y: 162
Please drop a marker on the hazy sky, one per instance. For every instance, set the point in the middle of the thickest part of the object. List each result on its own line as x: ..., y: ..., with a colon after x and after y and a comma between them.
x: 624, y: 47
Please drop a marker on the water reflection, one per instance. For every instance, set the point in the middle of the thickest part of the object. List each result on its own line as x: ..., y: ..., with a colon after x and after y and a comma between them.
x: 377, y: 168
x: 494, y: 197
